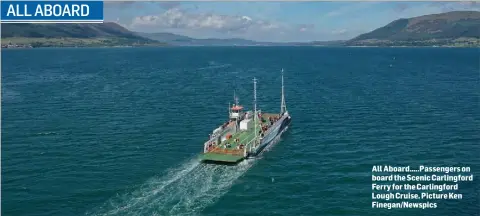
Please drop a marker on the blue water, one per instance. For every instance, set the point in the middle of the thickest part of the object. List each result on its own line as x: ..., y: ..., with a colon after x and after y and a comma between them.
x: 116, y: 131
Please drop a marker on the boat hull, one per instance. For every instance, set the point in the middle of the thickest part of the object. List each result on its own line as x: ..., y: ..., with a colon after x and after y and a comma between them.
x: 275, y: 131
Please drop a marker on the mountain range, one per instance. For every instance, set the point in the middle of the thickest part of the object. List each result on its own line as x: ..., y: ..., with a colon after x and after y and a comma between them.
x: 68, y: 35
x: 180, y: 40
x: 435, y: 29
x: 458, y: 28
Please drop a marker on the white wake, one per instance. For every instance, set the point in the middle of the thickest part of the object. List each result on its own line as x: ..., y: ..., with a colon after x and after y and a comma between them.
x: 186, y: 190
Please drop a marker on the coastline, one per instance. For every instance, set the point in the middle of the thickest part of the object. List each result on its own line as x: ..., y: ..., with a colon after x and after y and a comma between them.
x: 116, y: 42
x: 69, y: 42
x: 21, y: 46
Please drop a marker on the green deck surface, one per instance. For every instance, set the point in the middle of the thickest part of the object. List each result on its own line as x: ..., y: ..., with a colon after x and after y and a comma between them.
x: 245, y: 138
x: 221, y: 157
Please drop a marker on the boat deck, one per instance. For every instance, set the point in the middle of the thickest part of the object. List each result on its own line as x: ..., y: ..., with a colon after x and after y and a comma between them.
x: 229, y: 150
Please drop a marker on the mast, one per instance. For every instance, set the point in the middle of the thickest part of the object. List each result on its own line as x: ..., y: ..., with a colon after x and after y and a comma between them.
x: 235, y: 98
x: 283, y: 106
x: 255, y: 105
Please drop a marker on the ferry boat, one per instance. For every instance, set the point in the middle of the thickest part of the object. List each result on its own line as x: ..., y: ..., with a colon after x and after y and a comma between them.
x: 246, y: 133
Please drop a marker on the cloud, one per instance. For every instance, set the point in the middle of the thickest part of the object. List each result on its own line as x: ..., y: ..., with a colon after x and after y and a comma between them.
x: 334, y: 13
x: 452, y: 6
x: 119, y: 4
x: 128, y: 4
x: 176, y: 18
x: 339, y: 31
x: 141, y: 4
x: 202, y: 25
x: 349, y: 8
x: 169, y: 4
x: 470, y: 4
x: 407, y: 11
x: 305, y: 27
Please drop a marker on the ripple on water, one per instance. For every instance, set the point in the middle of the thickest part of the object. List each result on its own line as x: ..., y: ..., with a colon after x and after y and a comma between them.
x: 182, y: 191
x: 107, y: 130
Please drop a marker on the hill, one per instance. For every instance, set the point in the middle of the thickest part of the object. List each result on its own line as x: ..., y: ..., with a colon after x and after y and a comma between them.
x: 164, y: 36
x: 458, y: 28
x: 65, y: 35
x: 180, y: 40
x: 333, y: 43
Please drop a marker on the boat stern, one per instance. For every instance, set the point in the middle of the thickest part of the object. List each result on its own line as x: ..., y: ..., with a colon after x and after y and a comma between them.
x: 211, y: 157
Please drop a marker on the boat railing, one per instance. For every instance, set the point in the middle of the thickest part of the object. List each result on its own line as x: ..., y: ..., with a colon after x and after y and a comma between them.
x: 205, y: 147
x: 226, y: 151
x: 249, y: 146
x: 208, y: 145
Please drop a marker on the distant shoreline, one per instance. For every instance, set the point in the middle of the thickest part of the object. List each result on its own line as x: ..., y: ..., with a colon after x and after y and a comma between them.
x: 103, y: 42
x: 30, y: 42
x: 171, y: 46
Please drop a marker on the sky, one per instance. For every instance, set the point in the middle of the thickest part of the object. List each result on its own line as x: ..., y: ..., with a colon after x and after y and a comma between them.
x: 270, y: 21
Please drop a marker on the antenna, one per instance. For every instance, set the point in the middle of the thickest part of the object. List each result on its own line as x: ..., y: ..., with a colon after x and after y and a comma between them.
x: 255, y: 105
x: 235, y: 98
x: 283, y: 106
